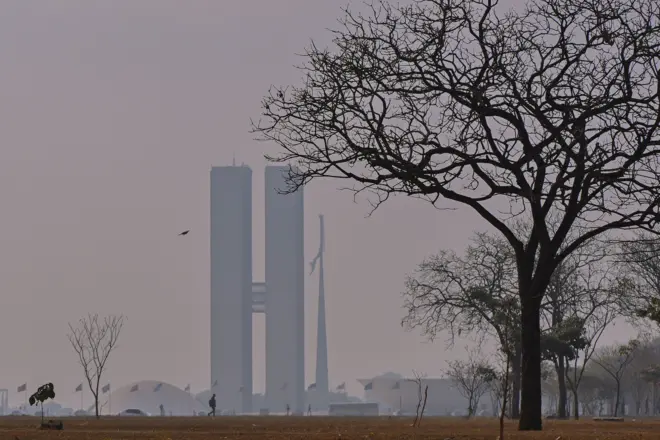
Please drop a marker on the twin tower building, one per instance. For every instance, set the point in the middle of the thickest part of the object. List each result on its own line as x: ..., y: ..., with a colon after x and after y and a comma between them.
x: 235, y: 296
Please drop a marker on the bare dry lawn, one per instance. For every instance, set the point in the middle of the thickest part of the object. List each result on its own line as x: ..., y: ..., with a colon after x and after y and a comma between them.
x: 336, y: 428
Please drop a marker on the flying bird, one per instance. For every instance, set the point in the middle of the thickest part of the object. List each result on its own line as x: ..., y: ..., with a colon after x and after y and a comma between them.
x: 184, y: 233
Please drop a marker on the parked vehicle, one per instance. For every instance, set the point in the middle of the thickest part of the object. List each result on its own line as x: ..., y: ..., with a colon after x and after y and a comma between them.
x: 133, y: 412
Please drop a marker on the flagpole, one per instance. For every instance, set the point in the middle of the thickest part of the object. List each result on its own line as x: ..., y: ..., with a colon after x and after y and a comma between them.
x: 81, y: 399
x: 26, y: 399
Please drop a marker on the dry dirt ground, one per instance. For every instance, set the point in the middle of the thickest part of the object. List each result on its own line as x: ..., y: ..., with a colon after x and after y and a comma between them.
x: 336, y: 428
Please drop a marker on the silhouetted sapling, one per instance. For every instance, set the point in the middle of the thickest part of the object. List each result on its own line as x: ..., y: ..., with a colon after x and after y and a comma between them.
x: 44, y: 393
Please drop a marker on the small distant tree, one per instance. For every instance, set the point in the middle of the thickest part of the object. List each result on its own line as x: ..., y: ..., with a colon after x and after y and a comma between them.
x: 651, y: 375
x: 635, y: 378
x: 422, y: 395
x: 93, y: 340
x: 472, y: 379
x: 614, y: 360
x: 594, y: 391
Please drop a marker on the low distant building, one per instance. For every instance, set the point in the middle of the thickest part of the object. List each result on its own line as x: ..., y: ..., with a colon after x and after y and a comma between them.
x: 147, y: 396
x: 364, y: 409
x: 397, y: 394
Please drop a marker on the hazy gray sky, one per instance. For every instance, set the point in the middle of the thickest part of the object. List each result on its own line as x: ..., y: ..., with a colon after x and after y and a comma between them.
x: 111, y: 116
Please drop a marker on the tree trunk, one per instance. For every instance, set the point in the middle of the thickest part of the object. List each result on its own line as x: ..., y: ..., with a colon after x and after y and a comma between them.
x: 616, y: 402
x: 96, y: 399
x: 576, y: 405
x: 561, y: 382
x: 531, y: 396
x: 515, y: 385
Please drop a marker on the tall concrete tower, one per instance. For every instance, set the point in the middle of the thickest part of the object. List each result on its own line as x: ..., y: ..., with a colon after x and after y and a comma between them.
x: 231, y: 287
x: 321, y: 336
x: 285, y: 301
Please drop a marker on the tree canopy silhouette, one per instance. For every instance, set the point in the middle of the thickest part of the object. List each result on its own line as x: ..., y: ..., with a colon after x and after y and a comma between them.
x: 552, y: 108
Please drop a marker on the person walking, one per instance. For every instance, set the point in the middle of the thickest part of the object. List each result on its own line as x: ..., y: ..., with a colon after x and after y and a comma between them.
x: 212, y: 405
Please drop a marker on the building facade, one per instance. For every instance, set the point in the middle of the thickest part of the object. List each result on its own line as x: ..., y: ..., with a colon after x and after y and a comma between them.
x: 285, y: 288
x: 234, y: 295
x: 231, y: 286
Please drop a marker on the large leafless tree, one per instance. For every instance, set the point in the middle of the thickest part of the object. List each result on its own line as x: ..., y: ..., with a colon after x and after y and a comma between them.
x: 551, y: 107
x: 93, y: 340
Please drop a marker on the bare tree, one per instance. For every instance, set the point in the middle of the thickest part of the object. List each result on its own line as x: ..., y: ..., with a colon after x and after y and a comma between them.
x: 593, y: 327
x: 594, y: 390
x: 504, y: 379
x: 550, y: 107
x: 652, y: 376
x: 584, y: 304
x: 472, y: 379
x: 473, y: 293
x: 641, y: 261
x: 636, y: 375
x: 93, y: 340
x: 575, y: 298
x: 614, y: 360
x: 422, y: 395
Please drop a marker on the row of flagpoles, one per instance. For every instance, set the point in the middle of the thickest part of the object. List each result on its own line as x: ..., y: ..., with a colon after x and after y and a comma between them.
x: 340, y: 387
x: 106, y: 388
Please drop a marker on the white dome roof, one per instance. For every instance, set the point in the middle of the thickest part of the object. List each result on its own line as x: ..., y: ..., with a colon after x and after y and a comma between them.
x: 174, y: 400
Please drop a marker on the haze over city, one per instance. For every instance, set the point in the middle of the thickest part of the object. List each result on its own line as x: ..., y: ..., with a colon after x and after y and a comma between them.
x: 112, y: 115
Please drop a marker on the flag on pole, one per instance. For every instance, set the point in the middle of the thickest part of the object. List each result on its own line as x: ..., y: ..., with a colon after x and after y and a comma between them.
x: 240, y: 390
x: 314, y: 261
x: 341, y: 386
x: 158, y: 387
x: 134, y: 388
x: 187, y: 388
x: 21, y: 388
x: 311, y: 386
x: 321, y: 248
x: 215, y: 384
x: 396, y: 386
x: 79, y: 388
x: 105, y: 388
x: 369, y: 386
x: 284, y: 386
